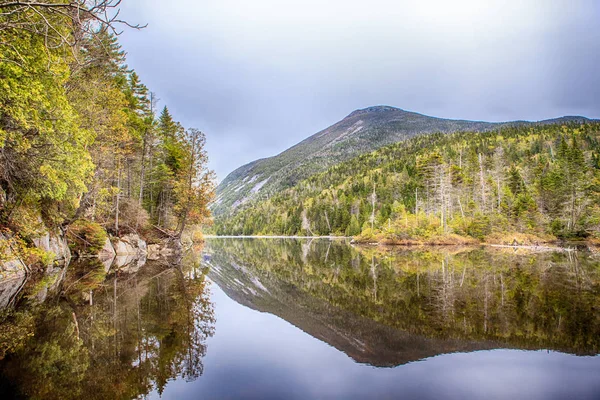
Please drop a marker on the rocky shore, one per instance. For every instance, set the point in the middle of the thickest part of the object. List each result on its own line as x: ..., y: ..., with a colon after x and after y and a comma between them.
x: 126, y: 253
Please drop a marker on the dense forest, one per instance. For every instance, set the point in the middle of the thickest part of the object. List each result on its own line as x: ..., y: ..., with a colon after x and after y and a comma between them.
x: 527, y: 183
x: 80, y: 140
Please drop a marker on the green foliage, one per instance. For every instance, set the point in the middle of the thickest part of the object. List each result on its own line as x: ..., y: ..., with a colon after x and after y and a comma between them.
x: 353, y: 228
x: 44, y: 146
x: 16, y: 327
x: 86, y: 237
x: 79, y: 137
x: 537, y: 180
x: 361, y: 132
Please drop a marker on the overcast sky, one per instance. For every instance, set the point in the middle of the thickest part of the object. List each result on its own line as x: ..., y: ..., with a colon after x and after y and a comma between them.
x: 258, y: 76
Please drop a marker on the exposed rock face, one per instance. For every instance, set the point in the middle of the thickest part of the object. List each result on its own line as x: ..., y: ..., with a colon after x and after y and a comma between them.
x: 12, y: 273
x: 129, y: 264
x: 130, y: 245
x: 108, y: 251
x: 55, y: 242
x: 9, y: 287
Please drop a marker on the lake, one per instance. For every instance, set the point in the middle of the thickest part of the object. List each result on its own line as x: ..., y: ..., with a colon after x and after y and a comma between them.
x: 312, y: 319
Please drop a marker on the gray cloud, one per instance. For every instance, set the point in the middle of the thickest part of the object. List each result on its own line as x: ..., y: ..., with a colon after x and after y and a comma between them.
x: 259, y: 76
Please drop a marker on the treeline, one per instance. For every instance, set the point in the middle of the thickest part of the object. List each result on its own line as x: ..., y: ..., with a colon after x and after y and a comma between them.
x: 541, y: 181
x: 79, y: 136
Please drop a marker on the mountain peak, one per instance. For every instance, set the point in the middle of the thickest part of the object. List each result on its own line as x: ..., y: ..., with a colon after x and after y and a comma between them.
x: 362, y: 131
x: 373, y: 109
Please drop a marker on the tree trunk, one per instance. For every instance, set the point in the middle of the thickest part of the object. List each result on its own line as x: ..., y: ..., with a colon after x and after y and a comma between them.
x: 327, y: 220
x: 143, y: 170
x: 373, y: 198
x: 118, y: 196
x: 482, y: 180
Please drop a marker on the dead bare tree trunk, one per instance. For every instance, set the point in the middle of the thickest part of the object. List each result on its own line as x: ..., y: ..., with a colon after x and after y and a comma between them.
x: 373, y: 199
x: 118, y: 196
x: 482, y: 181
x: 327, y: 220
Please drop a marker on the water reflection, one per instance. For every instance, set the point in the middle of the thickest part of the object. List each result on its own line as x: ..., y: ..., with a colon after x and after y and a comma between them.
x: 310, y: 319
x: 109, y: 335
x: 389, y: 307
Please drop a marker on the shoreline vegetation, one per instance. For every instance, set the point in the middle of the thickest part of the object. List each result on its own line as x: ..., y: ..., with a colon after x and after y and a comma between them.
x: 518, y: 185
x: 531, y: 243
x: 86, y: 162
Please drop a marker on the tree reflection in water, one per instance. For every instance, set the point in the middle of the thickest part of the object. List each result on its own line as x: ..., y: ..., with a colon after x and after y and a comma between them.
x: 114, y: 335
x: 484, y: 297
x: 111, y: 336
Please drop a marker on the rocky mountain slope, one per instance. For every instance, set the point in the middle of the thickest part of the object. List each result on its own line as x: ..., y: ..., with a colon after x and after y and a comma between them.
x: 360, y: 132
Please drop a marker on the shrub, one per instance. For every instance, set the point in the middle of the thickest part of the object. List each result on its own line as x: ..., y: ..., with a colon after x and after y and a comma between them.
x: 86, y: 237
x: 366, y: 235
x: 479, y: 226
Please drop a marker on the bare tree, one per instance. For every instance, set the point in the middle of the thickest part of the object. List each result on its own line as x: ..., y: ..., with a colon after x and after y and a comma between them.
x: 62, y: 25
x: 373, y: 199
x: 482, y: 182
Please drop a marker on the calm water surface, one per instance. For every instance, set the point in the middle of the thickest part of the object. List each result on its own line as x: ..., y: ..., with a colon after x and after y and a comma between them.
x: 313, y: 319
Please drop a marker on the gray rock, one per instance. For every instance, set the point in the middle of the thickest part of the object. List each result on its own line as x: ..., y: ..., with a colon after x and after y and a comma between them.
x: 12, y: 273
x: 129, y: 264
x: 10, y: 287
x: 59, y: 246
x: 129, y: 245
x: 55, y: 242
x: 107, y: 251
x: 123, y: 248
x: 43, y: 242
x: 107, y: 263
x: 123, y: 260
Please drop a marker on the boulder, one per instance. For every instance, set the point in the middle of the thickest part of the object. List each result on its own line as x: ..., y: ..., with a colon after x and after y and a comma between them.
x: 55, y: 242
x: 107, y: 251
x: 153, y: 251
x: 129, y: 264
x: 107, y: 255
x: 123, y: 248
x: 130, y: 244
x: 107, y: 263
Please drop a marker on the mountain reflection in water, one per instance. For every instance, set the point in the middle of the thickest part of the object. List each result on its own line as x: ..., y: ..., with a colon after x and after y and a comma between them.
x: 301, y: 318
x: 390, y: 307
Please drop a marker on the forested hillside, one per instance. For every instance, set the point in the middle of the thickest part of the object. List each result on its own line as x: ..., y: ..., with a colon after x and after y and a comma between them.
x: 525, y: 182
x: 79, y: 137
x: 362, y: 131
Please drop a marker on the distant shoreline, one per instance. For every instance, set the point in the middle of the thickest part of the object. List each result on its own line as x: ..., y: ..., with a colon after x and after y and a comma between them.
x: 541, y: 247
x: 272, y: 237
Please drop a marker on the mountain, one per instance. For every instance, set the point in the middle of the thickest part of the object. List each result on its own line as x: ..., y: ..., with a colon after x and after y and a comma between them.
x: 362, y: 131
x: 540, y: 180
